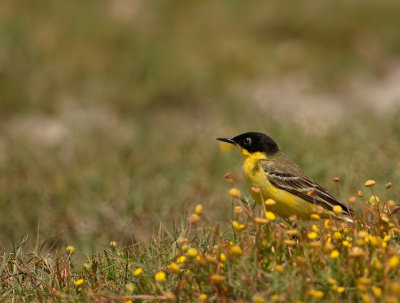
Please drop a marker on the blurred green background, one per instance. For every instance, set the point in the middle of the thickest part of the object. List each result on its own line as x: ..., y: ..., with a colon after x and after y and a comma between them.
x: 109, y: 110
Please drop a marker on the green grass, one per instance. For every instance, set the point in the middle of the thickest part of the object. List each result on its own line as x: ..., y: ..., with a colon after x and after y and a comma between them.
x: 109, y: 114
x: 198, y: 259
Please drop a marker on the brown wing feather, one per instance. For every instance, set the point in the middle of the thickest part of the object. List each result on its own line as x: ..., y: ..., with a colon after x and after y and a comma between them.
x: 296, y: 183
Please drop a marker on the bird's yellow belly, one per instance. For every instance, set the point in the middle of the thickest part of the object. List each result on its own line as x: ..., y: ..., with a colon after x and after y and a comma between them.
x: 286, y: 205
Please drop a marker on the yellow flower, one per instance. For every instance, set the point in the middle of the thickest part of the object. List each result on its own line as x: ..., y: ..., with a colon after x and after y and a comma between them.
x: 255, y: 189
x: 363, y: 281
x: 385, y: 218
x: 279, y: 268
x: 312, y: 235
x: 344, y: 230
x: 375, y: 240
x: 79, y: 282
x: 377, y: 291
x: 217, y: 279
x: 369, y: 183
x: 356, y: 252
x: 202, y: 298
x: 315, y: 217
x: 192, y: 252
x: 160, y: 276
x: 316, y: 294
x: 181, y: 259
x: 361, y: 288
x: 337, y: 235
x: 211, y: 259
x: 222, y: 257
x: 346, y: 243
x: 198, y: 209
x: 185, y: 247
x: 70, y: 249
x: 194, y: 218
x: 365, y: 298
x: 362, y: 234
x: 238, y: 227
x: 113, y: 244
x: 340, y: 289
x: 315, y: 244
x: 236, y: 251
x: 175, y: 268
x: 292, y: 232
x: 258, y: 299
x: 137, y: 272
x: 270, y: 216
x: 315, y: 228
x: 234, y: 192
x: 128, y: 301
x: 337, y: 209
x: 373, y: 200
x: 261, y: 221
x: 377, y: 264
x: 334, y: 254
x: 270, y: 202
x: 237, y: 209
x: 394, y: 262
x: 290, y: 242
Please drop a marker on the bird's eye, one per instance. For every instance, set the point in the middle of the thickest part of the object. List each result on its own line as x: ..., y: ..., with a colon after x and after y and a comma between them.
x: 247, y: 141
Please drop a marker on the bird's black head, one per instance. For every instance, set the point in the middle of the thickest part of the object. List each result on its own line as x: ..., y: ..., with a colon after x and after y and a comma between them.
x: 254, y: 142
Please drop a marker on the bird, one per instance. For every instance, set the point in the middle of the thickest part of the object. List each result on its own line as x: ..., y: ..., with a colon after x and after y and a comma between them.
x: 270, y: 174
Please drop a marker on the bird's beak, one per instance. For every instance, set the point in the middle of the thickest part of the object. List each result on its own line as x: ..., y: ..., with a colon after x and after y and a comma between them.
x: 227, y: 140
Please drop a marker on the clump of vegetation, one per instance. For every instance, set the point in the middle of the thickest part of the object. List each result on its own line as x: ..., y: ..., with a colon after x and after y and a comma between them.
x: 254, y: 257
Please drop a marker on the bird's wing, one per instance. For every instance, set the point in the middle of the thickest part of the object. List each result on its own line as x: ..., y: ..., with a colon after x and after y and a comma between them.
x: 301, y: 186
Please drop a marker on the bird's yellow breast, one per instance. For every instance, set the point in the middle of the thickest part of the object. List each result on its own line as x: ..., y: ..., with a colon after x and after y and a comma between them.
x: 287, y: 204
x: 256, y: 177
